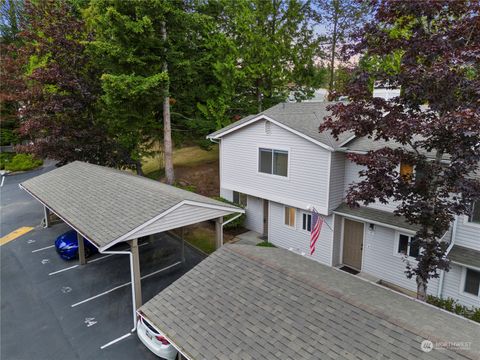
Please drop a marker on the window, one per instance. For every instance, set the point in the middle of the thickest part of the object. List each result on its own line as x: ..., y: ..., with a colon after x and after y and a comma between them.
x: 240, y: 198
x: 406, y: 171
x: 307, y: 222
x: 406, y: 245
x: 273, y: 162
x: 475, y: 214
x: 290, y: 216
x: 472, y: 282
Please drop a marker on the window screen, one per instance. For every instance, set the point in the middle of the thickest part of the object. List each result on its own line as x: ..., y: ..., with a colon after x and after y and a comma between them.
x: 403, y: 244
x: 472, y: 282
x: 307, y: 222
x: 289, y: 216
x: 280, y: 162
x: 475, y: 215
x: 265, y: 161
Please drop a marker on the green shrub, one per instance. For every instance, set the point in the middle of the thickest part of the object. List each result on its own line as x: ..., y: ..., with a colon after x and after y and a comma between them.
x: 452, y: 305
x: 266, y: 244
x: 235, y: 223
x: 22, y: 162
x: 8, y: 137
x: 5, y: 157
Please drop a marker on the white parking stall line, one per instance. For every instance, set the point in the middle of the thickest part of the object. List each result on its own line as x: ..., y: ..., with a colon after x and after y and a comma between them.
x: 88, y: 262
x: 62, y: 270
x: 123, y: 285
x: 101, y: 294
x: 115, y: 341
x: 44, y: 248
x: 99, y: 258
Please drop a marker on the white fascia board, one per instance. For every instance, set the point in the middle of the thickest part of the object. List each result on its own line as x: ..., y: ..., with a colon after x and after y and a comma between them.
x: 265, y: 117
x: 359, y: 218
x: 128, y: 235
x: 347, y: 141
x: 322, y: 210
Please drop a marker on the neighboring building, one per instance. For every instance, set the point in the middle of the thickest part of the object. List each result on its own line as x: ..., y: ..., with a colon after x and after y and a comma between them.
x: 278, y: 165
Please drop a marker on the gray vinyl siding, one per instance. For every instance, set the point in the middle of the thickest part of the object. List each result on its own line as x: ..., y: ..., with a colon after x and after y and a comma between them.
x: 307, y: 181
x: 254, y: 214
x: 467, y: 234
x: 380, y: 261
x: 452, y: 287
x: 295, y: 238
x: 226, y: 194
x: 337, y: 179
x: 352, y: 175
x: 184, y: 215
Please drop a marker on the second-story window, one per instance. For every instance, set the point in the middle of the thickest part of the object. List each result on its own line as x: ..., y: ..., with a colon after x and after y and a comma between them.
x: 475, y: 214
x: 271, y: 161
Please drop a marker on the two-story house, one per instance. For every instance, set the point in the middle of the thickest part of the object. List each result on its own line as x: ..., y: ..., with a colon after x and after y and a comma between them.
x: 278, y: 165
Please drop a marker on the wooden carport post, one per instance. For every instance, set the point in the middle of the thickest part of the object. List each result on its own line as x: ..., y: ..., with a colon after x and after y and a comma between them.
x: 137, y: 281
x: 218, y: 232
x: 81, y: 250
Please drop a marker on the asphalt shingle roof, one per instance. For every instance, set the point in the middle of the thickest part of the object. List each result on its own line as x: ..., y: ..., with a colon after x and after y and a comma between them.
x: 103, y: 203
x: 377, y: 216
x: 246, y: 302
x: 465, y: 256
x: 304, y: 117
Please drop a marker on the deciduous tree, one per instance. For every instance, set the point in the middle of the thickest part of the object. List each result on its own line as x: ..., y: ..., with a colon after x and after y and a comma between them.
x: 58, y: 103
x: 434, y: 125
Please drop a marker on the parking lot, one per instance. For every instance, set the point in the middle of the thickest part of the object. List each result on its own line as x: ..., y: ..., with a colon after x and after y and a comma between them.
x: 54, y: 309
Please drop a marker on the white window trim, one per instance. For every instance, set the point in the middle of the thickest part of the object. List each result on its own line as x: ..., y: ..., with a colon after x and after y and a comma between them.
x: 397, y: 240
x: 301, y: 221
x: 294, y: 227
x: 463, y: 278
x: 274, y: 147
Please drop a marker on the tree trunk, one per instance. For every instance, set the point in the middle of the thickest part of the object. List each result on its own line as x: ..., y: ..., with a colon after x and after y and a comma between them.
x: 167, y: 129
x: 421, y: 289
x: 259, y: 97
x: 138, y: 167
x: 334, y: 47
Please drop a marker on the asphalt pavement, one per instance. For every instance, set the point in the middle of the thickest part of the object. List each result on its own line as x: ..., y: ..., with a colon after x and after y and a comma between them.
x: 53, y: 309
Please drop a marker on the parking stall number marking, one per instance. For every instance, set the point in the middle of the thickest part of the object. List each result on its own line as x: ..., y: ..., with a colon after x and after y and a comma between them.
x: 90, y: 321
x: 45, y: 261
x: 30, y: 241
x: 66, y: 289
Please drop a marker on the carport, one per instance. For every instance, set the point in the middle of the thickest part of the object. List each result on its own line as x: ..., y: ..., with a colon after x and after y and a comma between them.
x: 107, y: 206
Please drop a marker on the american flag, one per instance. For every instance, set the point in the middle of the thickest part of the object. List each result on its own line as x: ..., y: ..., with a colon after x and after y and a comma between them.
x: 317, y: 223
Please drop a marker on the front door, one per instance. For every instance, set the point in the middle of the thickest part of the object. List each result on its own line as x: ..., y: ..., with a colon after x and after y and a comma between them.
x: 352, y: 244
x: 265, y: 219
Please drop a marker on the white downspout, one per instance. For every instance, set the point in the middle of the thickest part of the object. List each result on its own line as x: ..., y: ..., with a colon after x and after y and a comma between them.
x: 442, y: 274
x: 132, y: 282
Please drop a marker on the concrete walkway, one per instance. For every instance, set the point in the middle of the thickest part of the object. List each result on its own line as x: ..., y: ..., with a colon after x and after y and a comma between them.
x: 248, y: 238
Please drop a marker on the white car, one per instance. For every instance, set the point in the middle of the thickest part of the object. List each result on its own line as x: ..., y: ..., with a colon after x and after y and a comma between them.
x: 154, y: 340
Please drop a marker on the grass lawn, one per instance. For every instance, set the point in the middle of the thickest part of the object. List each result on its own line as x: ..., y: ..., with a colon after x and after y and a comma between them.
x: 190, y: 156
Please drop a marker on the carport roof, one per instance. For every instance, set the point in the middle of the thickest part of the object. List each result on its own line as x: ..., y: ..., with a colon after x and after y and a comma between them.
x: 246, y: 302
x: 105, y: 204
